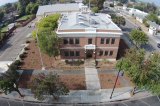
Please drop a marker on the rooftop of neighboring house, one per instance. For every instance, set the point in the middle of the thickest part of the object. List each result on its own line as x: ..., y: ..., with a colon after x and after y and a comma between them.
x: 153, y: 24
x: 138, y: 13
x: 88, y: 21
x: 58, y: 7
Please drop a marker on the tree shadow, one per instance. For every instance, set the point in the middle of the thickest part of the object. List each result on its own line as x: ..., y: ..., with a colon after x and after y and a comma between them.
x: 148, y: 47
x: 25, y: 78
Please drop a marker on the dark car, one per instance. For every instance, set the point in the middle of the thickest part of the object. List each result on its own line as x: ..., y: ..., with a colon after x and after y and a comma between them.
x: 158, y: 45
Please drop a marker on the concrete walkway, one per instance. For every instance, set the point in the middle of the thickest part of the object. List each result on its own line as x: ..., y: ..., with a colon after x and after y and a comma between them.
x: 92, y: 79
x: 76, y: 96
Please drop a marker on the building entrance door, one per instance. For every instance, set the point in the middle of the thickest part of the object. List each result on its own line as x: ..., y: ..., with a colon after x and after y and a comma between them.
x: 89, y: 54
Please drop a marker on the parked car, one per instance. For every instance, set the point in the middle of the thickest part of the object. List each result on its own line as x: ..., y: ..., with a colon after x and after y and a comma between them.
x: 158, y: 45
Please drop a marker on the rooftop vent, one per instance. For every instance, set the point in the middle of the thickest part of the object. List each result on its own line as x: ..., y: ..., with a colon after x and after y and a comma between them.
x: 82, y: 23
x: 94, y: 22
x: 82, y: 18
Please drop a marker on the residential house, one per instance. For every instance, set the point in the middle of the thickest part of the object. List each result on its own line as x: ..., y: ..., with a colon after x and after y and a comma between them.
x: 153, y: 28
x: 139, y: 15
x: 88, y: 36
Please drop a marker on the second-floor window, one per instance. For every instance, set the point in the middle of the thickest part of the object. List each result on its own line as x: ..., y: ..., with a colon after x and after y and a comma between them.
x: 113, y: 41
x: 71, y: 41
x: 107, y: 40
x: 89, y: 41
x: 102, y: 40
x: 76, y: 41
x: 65, y: 41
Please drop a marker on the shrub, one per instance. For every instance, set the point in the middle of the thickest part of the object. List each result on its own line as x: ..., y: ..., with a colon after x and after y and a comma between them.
x: 26, y: 48
x: 106, y: 61
x: 17, y: 62
x: 66, y: 61
x: 27, y: 41
x: 22, y: 56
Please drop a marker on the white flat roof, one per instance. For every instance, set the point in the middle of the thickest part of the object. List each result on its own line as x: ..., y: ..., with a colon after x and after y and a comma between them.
x: 89, y: 22
x: 57, y: 8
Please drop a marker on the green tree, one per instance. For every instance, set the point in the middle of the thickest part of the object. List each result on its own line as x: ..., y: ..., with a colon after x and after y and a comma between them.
x: 31, y: 8
x: 95, y: 9
x: 95, y: 3
x: 9, y: 80
x: 49, y: 22
x: 119, y: 20
x: 48, y: 85
x: 153, y: 17
x: 144, y: 72
x: 145, y: 22
x: 1, y: 15
x: 139, y: 37
x: 49, y: 43
x: 22, y: 4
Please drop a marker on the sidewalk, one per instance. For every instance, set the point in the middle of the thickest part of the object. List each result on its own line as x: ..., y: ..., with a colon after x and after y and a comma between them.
x: 77, y: 96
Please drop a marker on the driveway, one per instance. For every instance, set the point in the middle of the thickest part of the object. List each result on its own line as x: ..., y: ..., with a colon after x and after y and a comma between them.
x: 15, y: 43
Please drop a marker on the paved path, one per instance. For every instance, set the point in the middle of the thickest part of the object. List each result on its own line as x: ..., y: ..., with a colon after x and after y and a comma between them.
x: 92, y: 79
x: 77, y: 96
x: 146, y: 101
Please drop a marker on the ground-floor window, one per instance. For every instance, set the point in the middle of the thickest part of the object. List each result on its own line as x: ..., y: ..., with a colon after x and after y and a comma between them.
x: 77, y: 53
x: 100, y: 53
x: 71, y: 53
x: 66, y: 53
x: 111, y: 53
x: 105, y: 53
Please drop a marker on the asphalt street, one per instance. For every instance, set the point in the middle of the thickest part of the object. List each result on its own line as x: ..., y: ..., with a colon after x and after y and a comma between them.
x: 15, y: 44
x: 148, y: 101
x: 151, y: 46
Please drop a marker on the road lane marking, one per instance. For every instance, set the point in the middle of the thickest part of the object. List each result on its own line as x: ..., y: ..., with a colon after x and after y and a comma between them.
x: 145, y: 102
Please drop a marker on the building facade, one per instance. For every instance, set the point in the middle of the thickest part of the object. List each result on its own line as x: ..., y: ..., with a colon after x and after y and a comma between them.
x: 88, y: 36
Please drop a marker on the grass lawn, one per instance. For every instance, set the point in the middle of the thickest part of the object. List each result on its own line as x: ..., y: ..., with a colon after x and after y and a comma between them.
x: 24, y: 18
x: 4, y: 29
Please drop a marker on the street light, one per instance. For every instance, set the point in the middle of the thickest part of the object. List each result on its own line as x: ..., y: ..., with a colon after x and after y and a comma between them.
x: 116, y: 79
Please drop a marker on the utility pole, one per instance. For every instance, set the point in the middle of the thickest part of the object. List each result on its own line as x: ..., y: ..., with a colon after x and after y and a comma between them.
x: 116, y: 79
x: 89, y: 4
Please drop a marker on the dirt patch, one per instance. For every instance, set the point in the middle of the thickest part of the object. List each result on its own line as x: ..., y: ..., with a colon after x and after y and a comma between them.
x: 32, y: 60
x: 107, y: 81
x: 73, y: 82
x: 106, y: 65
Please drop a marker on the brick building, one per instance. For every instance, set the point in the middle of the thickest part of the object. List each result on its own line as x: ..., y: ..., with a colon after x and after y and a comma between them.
x: 87, y: 36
